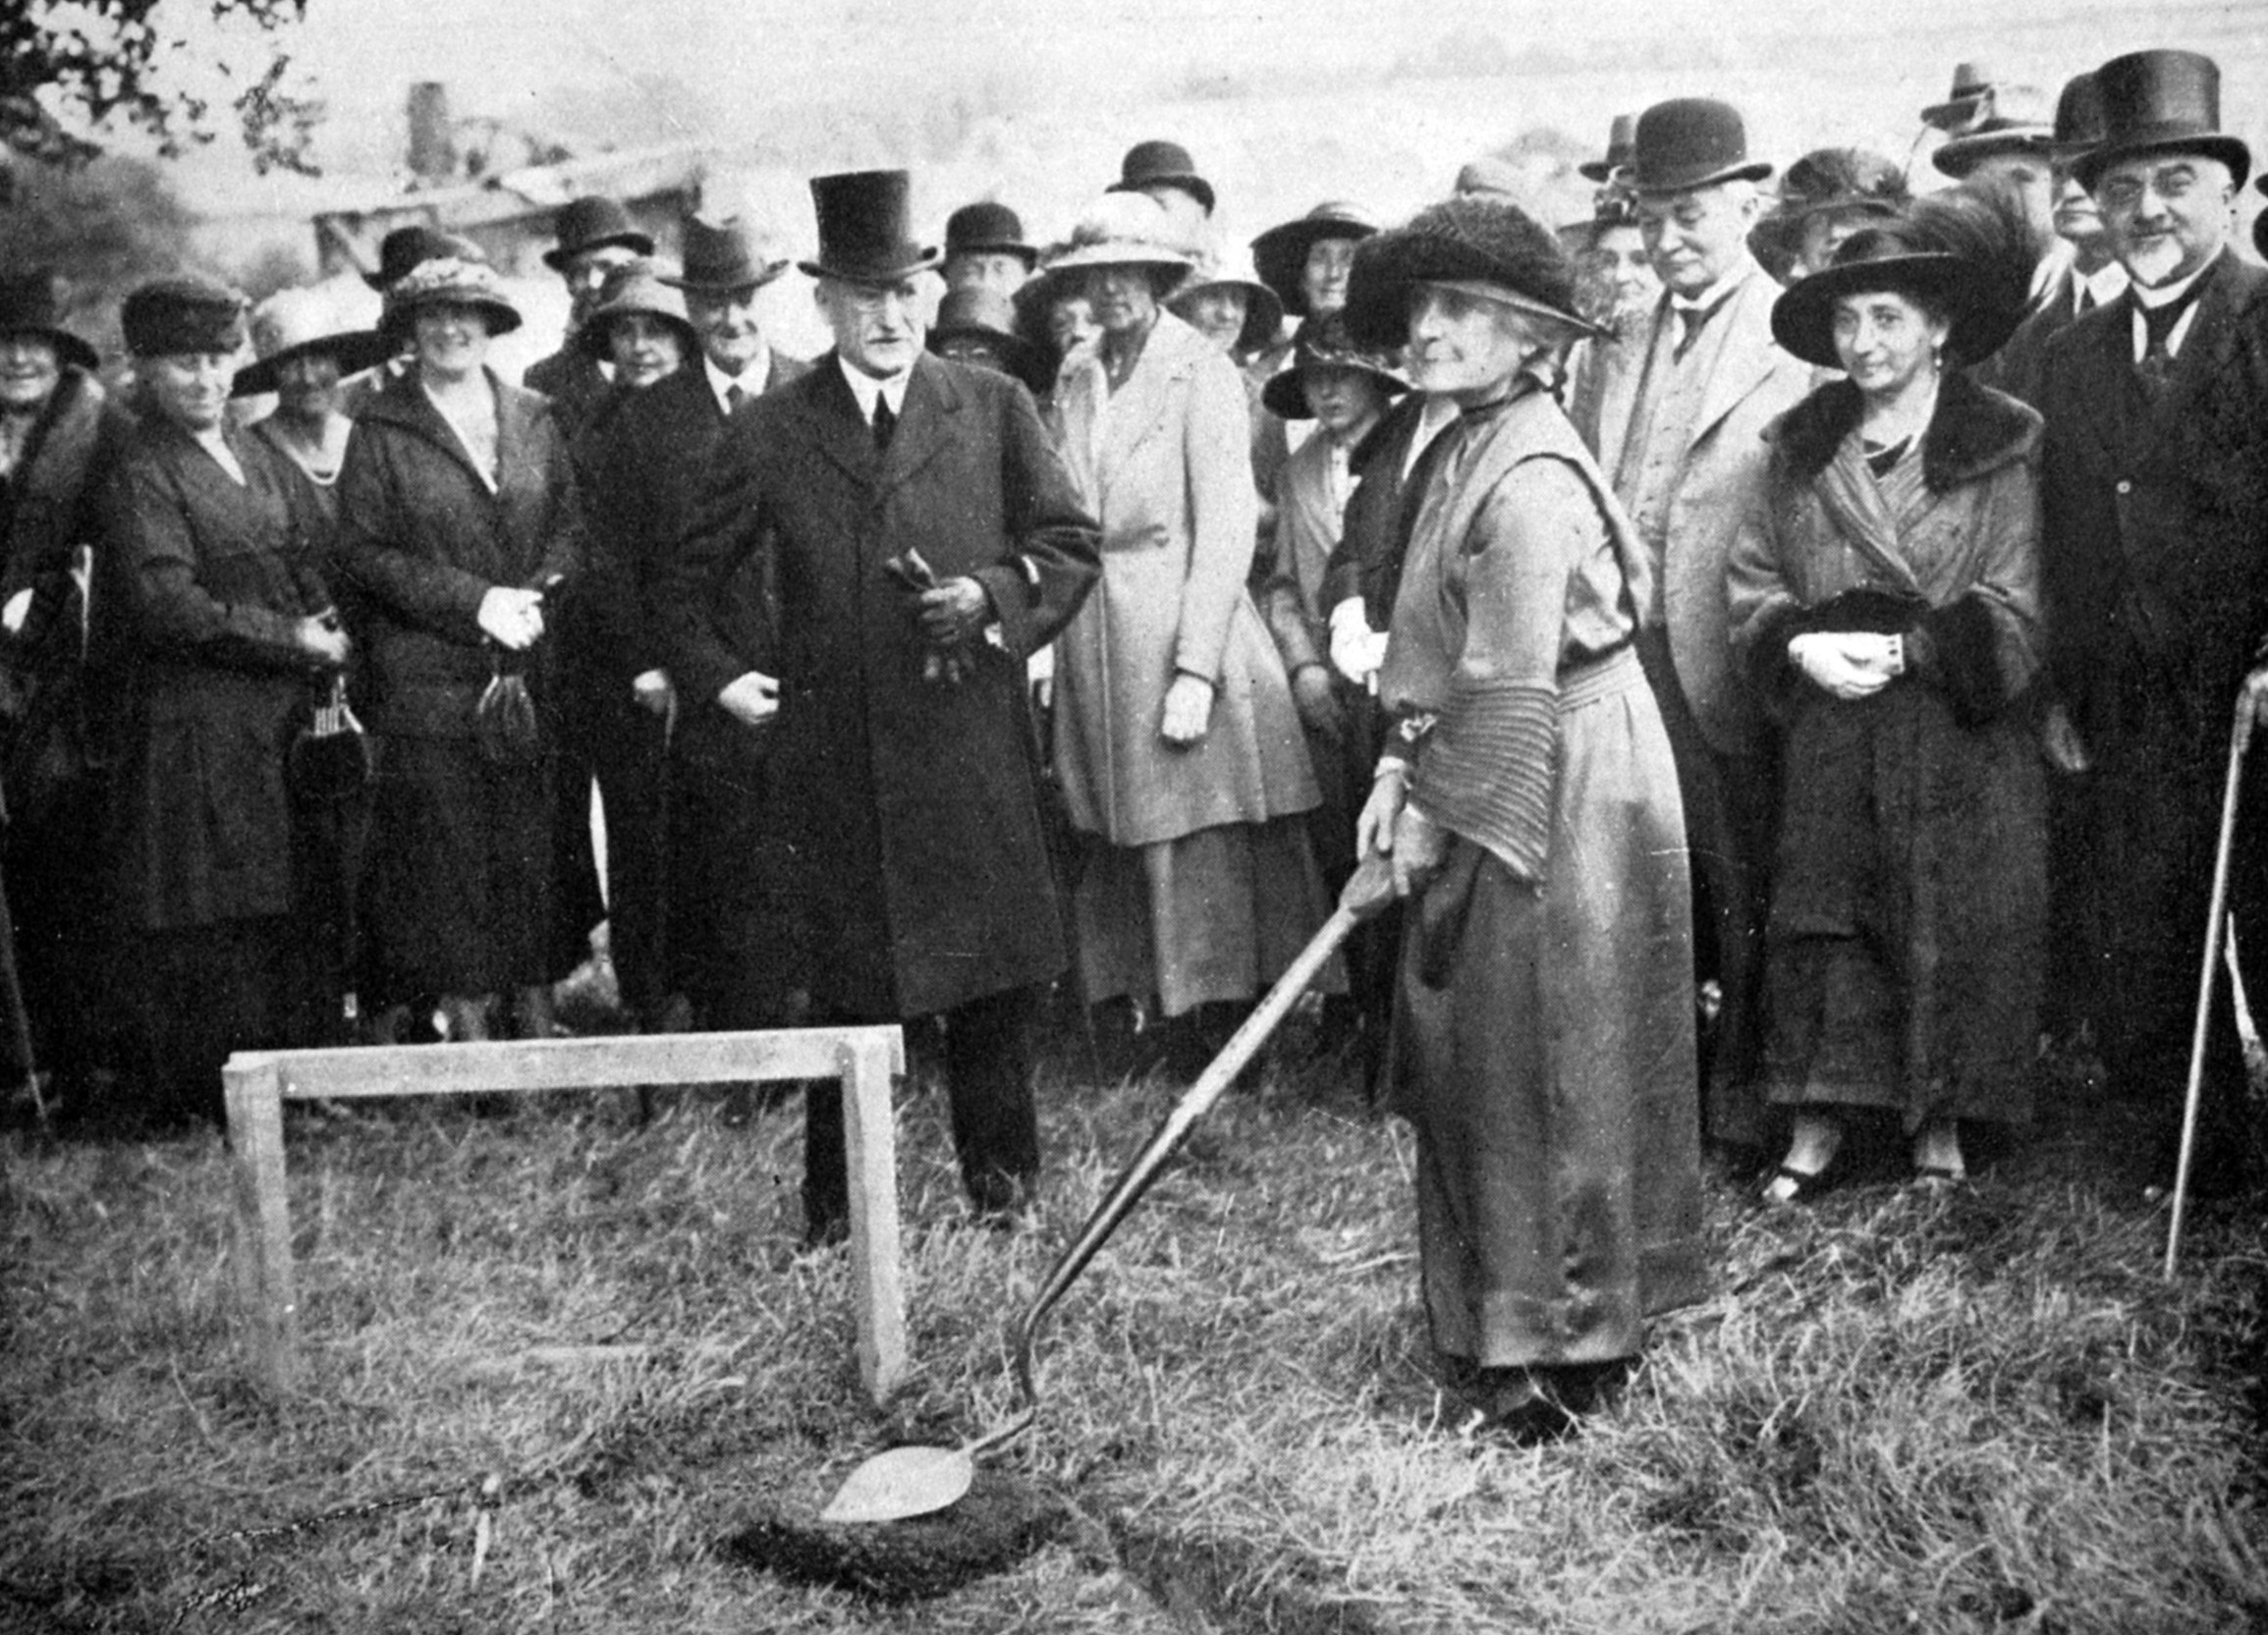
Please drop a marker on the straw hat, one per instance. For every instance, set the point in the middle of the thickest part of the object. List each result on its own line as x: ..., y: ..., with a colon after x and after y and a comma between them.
x: 298, y: 323
x: 1123, y: 230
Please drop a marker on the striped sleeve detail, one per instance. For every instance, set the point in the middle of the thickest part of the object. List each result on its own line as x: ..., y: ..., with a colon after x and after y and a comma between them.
x: 1488, y: 768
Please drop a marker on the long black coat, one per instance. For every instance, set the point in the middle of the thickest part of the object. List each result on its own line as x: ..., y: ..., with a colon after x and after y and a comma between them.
x: 909, y: 803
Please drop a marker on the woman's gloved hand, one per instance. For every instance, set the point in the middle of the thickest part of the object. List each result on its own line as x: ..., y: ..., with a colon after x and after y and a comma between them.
x: 1848, y: 663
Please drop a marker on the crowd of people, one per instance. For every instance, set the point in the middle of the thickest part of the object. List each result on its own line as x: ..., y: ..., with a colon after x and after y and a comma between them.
x: 1782, y: 643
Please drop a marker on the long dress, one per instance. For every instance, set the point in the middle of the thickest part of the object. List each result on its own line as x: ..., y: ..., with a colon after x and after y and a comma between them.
x: 1544, y: 1039
x: 1905, y: 941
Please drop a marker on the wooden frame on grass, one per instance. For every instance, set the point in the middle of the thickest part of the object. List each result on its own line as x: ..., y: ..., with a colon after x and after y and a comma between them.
x: 865, y: 1059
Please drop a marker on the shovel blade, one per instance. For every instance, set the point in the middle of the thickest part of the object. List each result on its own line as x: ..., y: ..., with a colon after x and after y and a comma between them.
x: 901, y: 1483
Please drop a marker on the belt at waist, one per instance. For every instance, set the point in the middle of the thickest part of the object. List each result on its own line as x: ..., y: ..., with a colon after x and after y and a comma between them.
x: 1604, y: 677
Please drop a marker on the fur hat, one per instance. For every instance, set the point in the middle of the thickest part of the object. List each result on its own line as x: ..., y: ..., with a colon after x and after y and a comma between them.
x: 185, y: 314
x: 1477, y: 240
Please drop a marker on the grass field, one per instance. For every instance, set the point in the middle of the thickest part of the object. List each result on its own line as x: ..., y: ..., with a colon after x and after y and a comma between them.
x: 1977, y: 1409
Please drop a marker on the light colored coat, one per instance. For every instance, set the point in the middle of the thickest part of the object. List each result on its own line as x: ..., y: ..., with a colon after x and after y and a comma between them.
x: 1170, y: 474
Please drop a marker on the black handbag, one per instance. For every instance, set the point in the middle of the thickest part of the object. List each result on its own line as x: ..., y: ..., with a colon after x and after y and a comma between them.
x: 330, y: 760
x: 504, y: 722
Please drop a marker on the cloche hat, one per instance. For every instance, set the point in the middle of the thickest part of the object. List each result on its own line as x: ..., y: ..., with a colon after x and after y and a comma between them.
x: 636, y: 286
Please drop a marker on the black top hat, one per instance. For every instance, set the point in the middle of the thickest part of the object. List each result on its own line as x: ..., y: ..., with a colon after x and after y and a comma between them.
x: 31, y: 303
x: 726, y: 256
x: 1280, y: 254
x: 1691, y: 141
x: 864, y: 235
x: 1461, y: 240
x: 1972, y: 84
x: 990, y: 316
x: 2161, y: 102
x: 988, y: 228
x: 1322, y: 342
x: 593, y: 222
x: 2012, y: 119
x: 1154, y: 164
x: 1621, y: 134
x: 185, y: 314
x: 2078, y: 117
x: 1965, y: 255
x: 406, y: 247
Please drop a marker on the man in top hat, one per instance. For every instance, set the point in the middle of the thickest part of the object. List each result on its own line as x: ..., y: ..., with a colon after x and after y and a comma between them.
x: 1970, y: 96
x: 2156, y: 571
x: 1165, y: 171
x: 596, y: 237
x: 1685, y: 461
x: 986, y: 248
x: 926, y: 540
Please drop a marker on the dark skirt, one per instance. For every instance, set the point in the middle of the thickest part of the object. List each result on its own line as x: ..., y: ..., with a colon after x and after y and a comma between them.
x: 459, y: 885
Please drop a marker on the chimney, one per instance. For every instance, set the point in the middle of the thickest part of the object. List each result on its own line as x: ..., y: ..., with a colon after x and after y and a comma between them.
x: 432, y: 139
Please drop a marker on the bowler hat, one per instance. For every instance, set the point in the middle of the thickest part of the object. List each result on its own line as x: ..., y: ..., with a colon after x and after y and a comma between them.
x: 2161, y: 102
x: 406, y: 246
x: 295, y: 323
x: 593, y: 222
x: 1963, y: 253
x: 1162, y: 164
x: 2014, y: 119
x: 448, y: 282
x: 1621, y: 136
x: 1281, y: 253
x: 1972, y: 82
x: 1323, y: 342
x: 1688, y: 142
x: 2078, y: 117
x: 863, y: 231
x: 1263, y: 313
x: 183, y: 313
x: 31, y: 303
x: 1477, y: 240
x: 635, y: 286
x: 988, y: 228
x: 979, y: 310
x: 724, y: 255
x: 1122, y: 230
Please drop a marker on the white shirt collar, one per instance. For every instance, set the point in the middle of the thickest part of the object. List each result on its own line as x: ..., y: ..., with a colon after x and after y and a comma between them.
x: 749, y: 380
x: 2106, y: 282
x: 2161, y: 293
x: 865, y: 388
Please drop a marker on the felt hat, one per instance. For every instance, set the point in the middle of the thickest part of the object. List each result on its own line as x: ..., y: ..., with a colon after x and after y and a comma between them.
x: 31, y: 303
x: 636, y: 286
x: 1281, y: 253
x: 1322, y: 342
x: 1122, y: 230
x: 1688, y: 142
x: 1263, y: 313
x: 1853, y: 179
x: 864, y: 231
x: 988, y: 228
x: 990, y: 316
x: 1972, y: 82
x: 1967, y: 255
x: 406, y: 247
x: 2014, y: 119
x: 1622, y: 136
x: 1488, y: 174
x: 593, y: 222
x: 724, y: 255
x: 447, y: 282
x: 183, y: 313
x: 1477, y: 240
x: 1153, y: 164
x: 2078, y: 118
x: 296, y: 323
x: 2161, y: 102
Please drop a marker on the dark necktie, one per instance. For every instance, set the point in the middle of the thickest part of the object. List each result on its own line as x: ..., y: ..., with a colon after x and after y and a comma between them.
x: 885, y: 423
x: 1691, y: 320
x: 2086, y: 299
x: 2158, y: 322
x: 736, y: 395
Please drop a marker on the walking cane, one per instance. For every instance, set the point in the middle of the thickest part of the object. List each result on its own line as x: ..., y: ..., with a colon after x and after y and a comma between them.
x: 2216, y: 916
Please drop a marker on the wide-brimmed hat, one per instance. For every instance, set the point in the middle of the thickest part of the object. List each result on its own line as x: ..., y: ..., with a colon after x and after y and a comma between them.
x: 593, y: 222
x: 636, y: 286
x: 865, y: 233
x: 1477, y: 241
x: 1688, y: 142
x: 1162, y: 164
x: 2014, y: 119
x: 1323, y: 342
x: 183, y: 313
x: 727, y: 255
x: 33, y: 303
x: 1281, y: 253
x: 1967, y: 255
x: 981, y: 311
x: 1622, y: 141
x: 1122, y: 230
x: 988, y: 228
x: 409, y: 246
x: 447, y: 282
x: 1263, y: 313
x: 1972, y: 82
x: 2161, y: 102
x: 1851, y: 181
x: 2078, y: 118
x: 298, y: 323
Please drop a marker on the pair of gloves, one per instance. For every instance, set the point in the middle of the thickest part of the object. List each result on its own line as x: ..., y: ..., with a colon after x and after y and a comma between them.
x: 1848, y: 664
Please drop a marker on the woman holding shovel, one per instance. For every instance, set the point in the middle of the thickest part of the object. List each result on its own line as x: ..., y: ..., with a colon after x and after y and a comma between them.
x: 1544, y: 1037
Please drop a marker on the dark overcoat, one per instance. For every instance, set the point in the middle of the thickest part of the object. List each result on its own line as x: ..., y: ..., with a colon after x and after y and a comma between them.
x: 908, y: 804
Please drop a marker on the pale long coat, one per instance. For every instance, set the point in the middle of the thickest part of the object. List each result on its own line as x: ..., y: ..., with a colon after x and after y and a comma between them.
x: 1170, y: 475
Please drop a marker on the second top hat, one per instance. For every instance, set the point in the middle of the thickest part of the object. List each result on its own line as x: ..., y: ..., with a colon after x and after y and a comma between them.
x: 2160, y: 102
x: 1691, y: 141
x: 864, y: 235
